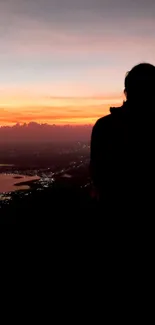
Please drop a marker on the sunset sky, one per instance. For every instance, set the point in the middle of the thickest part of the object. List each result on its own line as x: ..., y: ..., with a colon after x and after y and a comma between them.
x: 64, y: 61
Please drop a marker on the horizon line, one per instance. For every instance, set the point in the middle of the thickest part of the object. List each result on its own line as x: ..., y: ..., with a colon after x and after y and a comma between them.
x: 41, y: 124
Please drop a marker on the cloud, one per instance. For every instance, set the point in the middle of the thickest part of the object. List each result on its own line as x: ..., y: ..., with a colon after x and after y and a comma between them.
x: 30, y: 37
x: 86, y: 111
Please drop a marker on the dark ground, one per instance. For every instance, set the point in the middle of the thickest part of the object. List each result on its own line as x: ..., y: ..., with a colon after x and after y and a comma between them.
x: 60, y: 201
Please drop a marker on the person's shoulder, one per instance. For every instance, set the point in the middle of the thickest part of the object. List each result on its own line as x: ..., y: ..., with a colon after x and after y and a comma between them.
x: 101, y: 127
x: 103, y: 121
x: 108, y: 122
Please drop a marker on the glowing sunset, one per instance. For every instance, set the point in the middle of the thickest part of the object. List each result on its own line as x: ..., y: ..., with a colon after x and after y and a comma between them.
x: 64, y: 62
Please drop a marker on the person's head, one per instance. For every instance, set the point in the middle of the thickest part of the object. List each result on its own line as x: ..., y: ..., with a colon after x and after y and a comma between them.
x: 140, y: 84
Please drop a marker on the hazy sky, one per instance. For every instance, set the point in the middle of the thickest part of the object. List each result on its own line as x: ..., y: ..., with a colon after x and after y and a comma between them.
x: 53, y: 54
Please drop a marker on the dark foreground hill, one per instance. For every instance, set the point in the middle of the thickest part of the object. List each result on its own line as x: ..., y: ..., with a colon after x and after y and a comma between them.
x: 60, y: 201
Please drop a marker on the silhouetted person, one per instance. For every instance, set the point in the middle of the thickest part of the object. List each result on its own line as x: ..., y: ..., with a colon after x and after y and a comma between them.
x: 122, y: 148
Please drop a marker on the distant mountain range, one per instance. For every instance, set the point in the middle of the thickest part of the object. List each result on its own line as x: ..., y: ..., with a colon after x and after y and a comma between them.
x: 44, y: 132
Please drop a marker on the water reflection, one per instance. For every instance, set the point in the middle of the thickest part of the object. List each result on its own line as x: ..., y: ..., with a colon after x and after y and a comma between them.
x: 13, y: 182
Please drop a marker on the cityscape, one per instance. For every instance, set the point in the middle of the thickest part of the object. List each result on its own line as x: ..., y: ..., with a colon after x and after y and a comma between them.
x: 38, y: 170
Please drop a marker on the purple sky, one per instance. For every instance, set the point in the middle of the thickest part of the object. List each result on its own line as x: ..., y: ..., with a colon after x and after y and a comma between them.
x: 67, y: 48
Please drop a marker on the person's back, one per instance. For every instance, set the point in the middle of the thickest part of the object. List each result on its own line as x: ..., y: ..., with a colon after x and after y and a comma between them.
x: 122, y: 147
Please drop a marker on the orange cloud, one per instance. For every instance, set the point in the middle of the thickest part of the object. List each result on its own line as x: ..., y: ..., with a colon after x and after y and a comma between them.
x: 59, y: 115
x: 23, y: 107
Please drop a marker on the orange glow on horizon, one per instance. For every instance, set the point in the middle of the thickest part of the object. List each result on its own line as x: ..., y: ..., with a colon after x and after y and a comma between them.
x: 23, y: 108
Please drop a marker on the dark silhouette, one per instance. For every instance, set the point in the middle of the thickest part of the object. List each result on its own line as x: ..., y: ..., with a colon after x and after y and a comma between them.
x: 122, y: 148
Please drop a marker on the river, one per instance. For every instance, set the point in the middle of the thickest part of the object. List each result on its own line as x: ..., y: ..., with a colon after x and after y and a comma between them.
x: 8, y: 181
